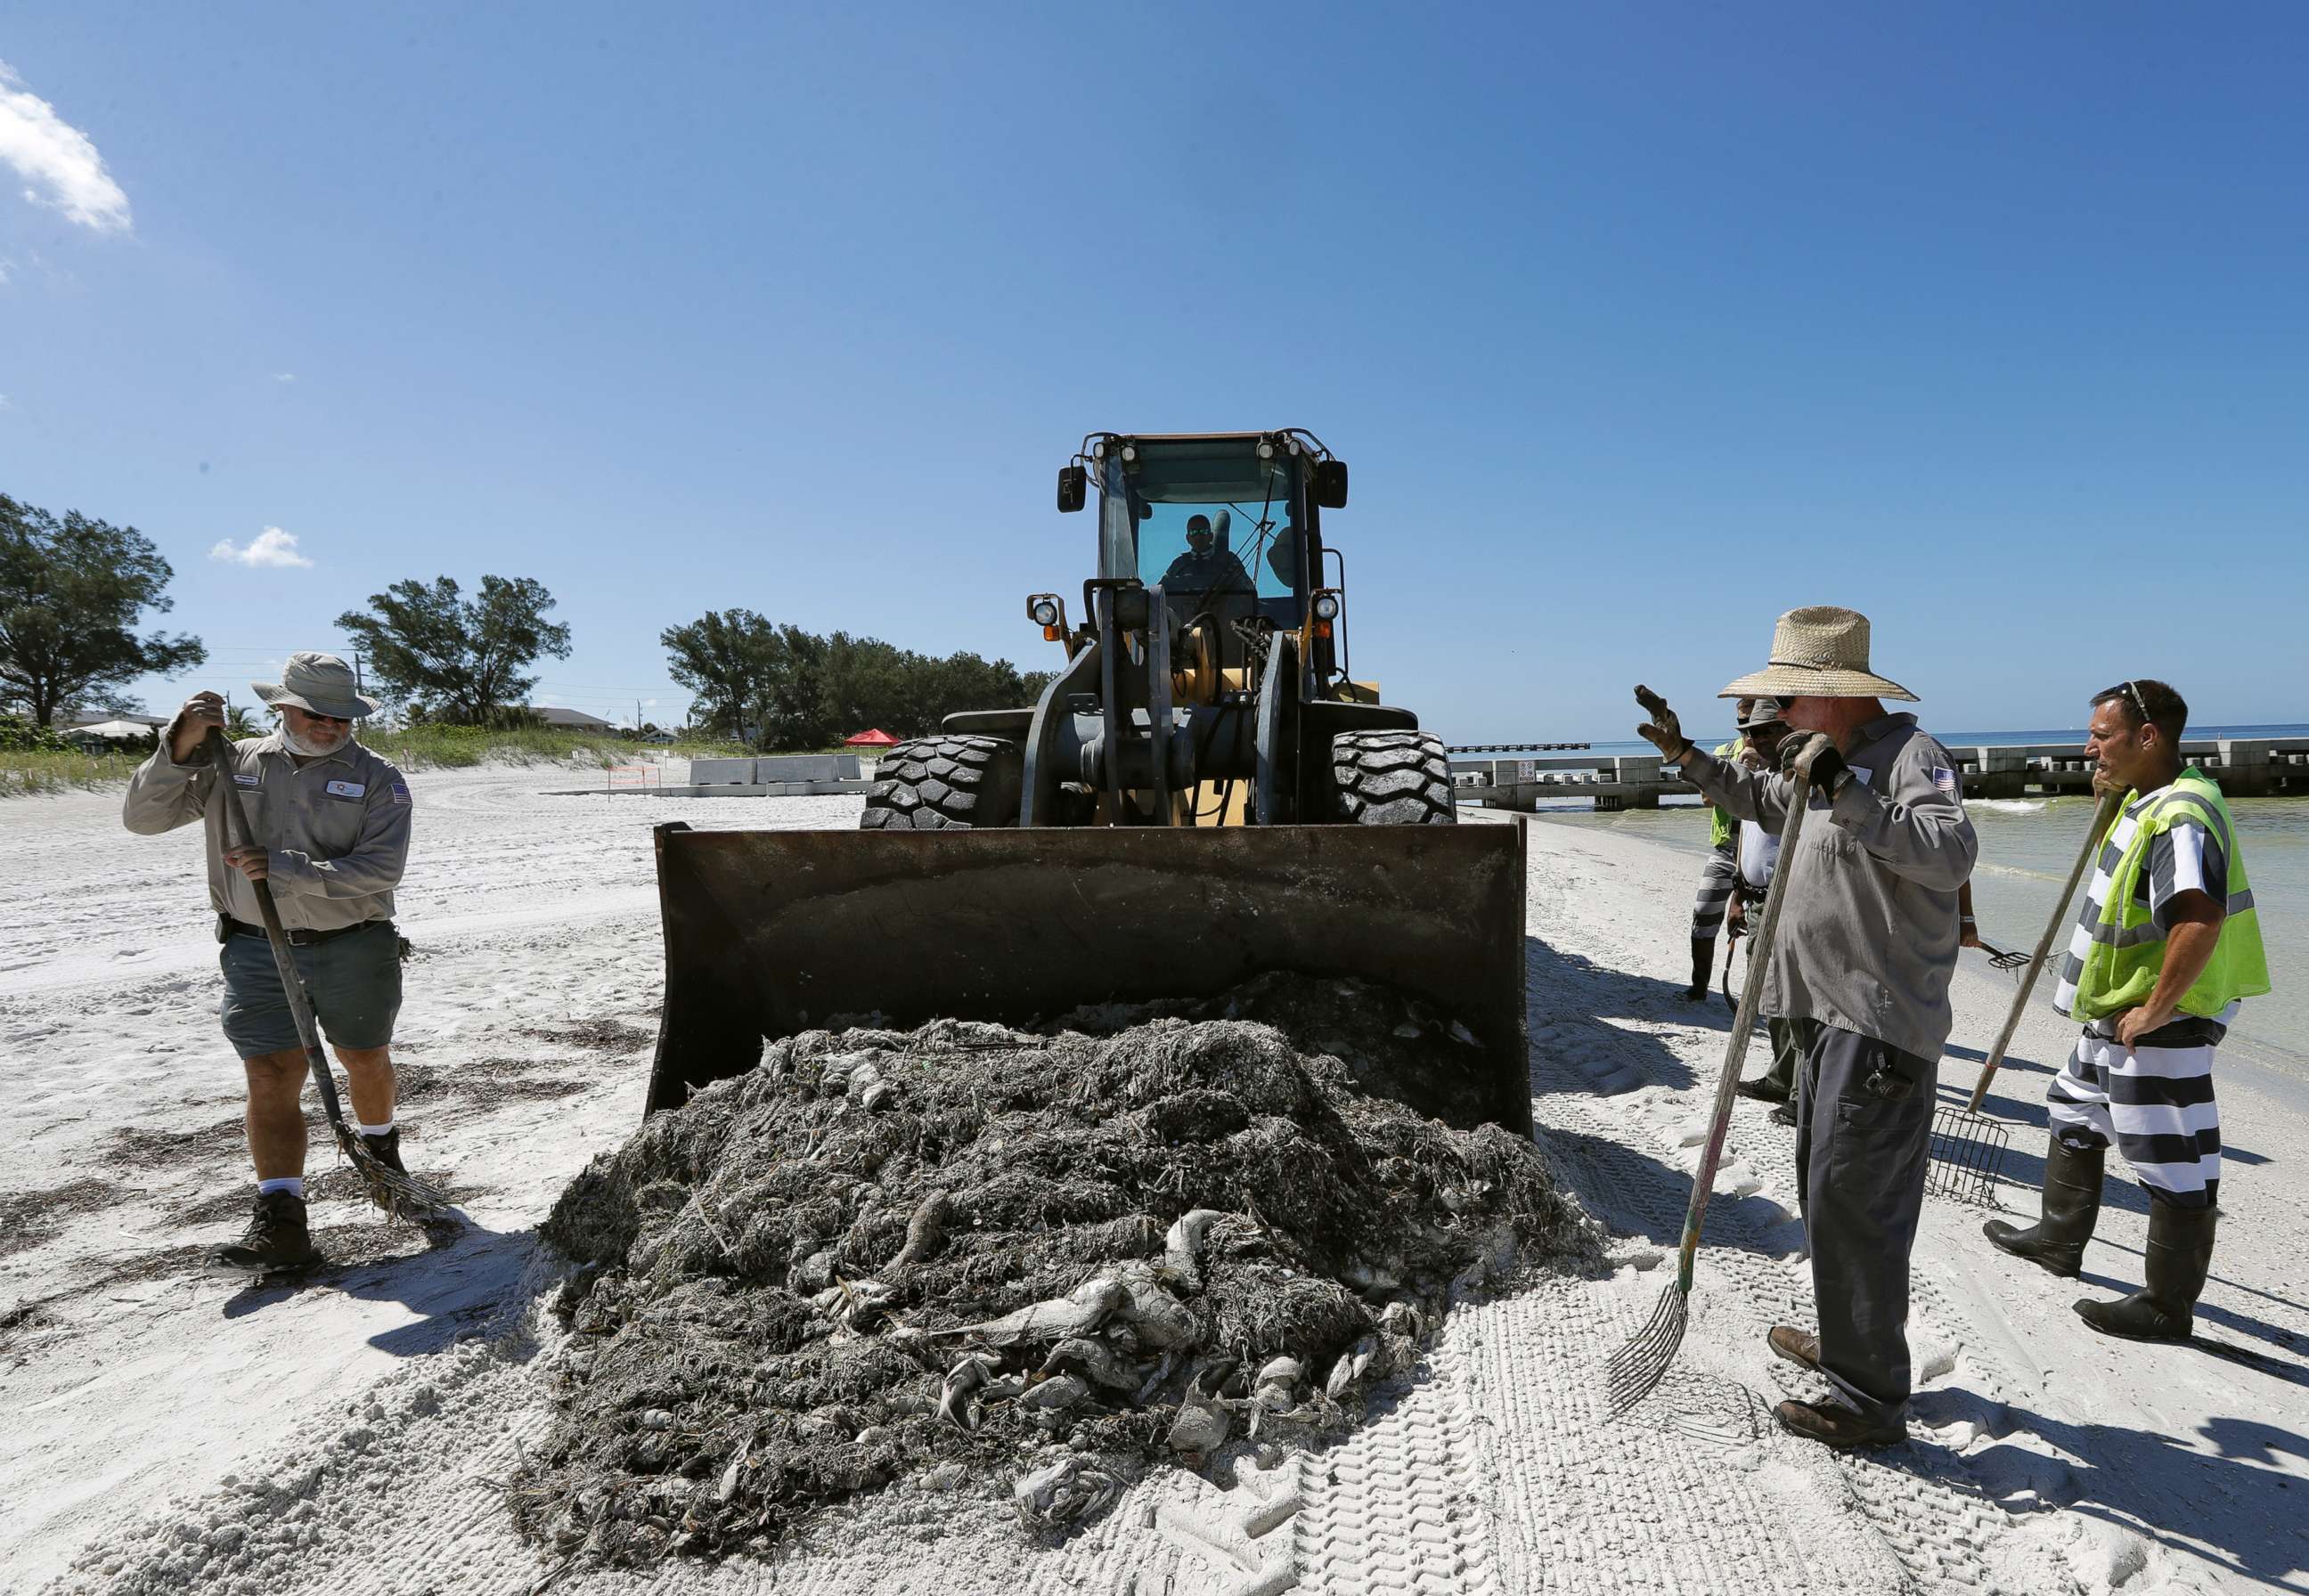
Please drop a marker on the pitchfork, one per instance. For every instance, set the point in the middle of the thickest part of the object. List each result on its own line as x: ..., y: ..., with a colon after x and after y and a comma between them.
x: 402, y: 1195
x: 1969, y: 1148
x: 1641, y: 1364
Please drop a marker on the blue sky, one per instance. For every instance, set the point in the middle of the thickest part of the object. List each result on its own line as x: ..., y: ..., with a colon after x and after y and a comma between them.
x: 1637, y: 325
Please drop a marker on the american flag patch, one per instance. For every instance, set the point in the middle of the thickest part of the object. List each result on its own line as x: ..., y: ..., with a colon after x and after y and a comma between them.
x: 400, y: 792
x: 1945, y: 779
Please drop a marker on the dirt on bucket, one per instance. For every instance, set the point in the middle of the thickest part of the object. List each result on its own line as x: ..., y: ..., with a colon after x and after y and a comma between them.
x: 1055, y: 1256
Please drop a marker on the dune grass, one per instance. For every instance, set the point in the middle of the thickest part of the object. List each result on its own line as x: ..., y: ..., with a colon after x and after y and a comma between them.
x: 415, y: 748
x: 43, y: 769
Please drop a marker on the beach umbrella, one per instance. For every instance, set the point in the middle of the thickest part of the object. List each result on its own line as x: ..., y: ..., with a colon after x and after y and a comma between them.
x: 876, y: 738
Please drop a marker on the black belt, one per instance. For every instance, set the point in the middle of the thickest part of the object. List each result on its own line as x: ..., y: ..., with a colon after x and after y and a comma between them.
x: 297, y: 938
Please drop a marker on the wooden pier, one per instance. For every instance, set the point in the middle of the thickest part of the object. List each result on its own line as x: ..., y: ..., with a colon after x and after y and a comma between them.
x: 2244, y: 768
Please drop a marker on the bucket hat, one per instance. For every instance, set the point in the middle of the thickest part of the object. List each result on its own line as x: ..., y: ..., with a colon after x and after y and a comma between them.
x: 1761, y: 713
x: 1818, y: 652
x: 319, y: 685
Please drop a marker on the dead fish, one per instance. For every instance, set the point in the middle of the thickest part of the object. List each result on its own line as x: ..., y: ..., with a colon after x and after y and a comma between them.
x: 1056, y: 1395
x: 852, y: 1303
x: 1058, y: 1493
x: 1182, y: 1247
x: 1056, y: 1318
x: 926, y: 1231
x: 1094, y: 1360
x: 1351, y: 1366
x: 1275, y: 1382
x: 1401, y: 1319
x: 1201, y: 1426
x: 1159, y: 1319
x: 963, y: 1379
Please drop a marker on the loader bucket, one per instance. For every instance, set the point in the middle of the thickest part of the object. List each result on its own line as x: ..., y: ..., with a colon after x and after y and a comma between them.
x: 769, y: 933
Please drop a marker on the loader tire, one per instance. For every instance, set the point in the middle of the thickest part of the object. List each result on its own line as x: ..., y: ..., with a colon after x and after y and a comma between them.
x: 946, y: 783
x: 1391, y: 777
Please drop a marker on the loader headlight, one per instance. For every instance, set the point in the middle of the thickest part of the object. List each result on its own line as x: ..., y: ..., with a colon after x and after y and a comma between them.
x: 1043, y: 611
x: 1326, y: 606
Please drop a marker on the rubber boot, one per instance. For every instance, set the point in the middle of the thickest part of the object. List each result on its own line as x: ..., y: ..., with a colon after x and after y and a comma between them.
x: 1703, y: 960
x: 2180, y: 1254
x: 2072, y: 1203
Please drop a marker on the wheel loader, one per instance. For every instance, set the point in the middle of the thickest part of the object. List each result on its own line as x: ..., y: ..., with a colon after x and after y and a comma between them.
x: 1201, y: 794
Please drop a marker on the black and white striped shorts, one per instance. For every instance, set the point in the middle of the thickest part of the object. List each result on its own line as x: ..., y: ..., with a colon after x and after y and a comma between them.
x: 1718, y: 878
x: 2156, y: 1103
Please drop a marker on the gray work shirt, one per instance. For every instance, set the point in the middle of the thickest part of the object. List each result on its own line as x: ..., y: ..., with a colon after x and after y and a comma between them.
x: 335, y: 829
x: 1867, y: 937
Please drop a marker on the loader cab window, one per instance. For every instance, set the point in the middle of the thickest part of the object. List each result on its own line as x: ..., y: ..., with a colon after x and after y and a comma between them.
x: 1207, y: 518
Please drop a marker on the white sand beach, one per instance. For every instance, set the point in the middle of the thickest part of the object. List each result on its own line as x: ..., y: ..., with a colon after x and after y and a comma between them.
x: 169, y: 1430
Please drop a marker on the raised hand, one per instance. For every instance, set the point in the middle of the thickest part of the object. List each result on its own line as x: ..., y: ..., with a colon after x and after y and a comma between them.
x: 1663, y: 730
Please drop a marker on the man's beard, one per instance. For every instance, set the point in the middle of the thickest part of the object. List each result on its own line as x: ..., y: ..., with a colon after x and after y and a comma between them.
x: 310, y: 750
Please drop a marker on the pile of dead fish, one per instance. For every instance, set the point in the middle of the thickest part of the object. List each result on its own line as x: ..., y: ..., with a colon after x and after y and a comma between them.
x: 967, y: 1253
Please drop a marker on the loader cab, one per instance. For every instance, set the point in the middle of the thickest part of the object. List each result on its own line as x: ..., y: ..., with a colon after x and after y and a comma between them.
x: 1224, y: 522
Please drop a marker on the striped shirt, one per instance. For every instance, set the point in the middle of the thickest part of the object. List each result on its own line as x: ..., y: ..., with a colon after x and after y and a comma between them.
x: 2187, y: 857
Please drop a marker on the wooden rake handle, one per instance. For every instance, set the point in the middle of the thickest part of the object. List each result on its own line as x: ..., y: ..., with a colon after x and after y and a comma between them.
x: 235, y: 819
x: 2104, y: 816
x: 1744, y: 1024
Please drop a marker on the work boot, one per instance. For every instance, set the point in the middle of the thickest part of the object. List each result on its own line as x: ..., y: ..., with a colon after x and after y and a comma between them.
x: 1833, y: 1424
x: 385, y: 1149
x: 1703, y: 960
x: 1763, y: 1089
x: 2180, y: 1252
x: 2072, y: 1203
x: 1797, y: 1346
x: 276, y: 1238
x: 1786, y: 1114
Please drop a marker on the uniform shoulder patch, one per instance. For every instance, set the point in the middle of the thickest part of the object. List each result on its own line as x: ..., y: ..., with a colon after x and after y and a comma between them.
x: 400, y: 792
x: 1945, y: 779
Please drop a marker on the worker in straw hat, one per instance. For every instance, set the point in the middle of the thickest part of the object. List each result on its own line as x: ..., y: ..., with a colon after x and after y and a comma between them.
x: 331, y: 826
x: 1861, y: 961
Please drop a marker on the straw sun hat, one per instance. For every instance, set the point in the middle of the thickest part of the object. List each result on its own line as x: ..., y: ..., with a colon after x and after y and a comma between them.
x: 319, y: 685
x: 1818, y: 652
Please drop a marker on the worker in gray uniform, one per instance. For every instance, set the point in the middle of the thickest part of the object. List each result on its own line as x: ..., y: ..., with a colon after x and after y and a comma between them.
x: 331, y: 822
x: 1861, y: 961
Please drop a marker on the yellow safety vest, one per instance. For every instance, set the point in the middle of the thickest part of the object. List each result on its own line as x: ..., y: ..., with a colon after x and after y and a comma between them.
x: 2128, y: 951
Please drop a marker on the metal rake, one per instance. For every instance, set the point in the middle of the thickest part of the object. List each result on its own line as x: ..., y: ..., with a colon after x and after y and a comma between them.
x: 1644, y: 1361
x: 1967, y: 1147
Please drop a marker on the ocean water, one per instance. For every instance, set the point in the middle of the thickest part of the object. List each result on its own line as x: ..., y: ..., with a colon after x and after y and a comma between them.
x: 2026, y: 846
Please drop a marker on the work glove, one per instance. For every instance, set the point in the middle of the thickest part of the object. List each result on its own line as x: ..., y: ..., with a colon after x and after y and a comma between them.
x: 1814, y: 756
x: 1662, y: 731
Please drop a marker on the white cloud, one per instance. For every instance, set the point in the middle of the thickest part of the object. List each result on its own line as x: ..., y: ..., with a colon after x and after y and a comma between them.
x: 284, y: 376
x: 60, y: 167
x: 271, y: 546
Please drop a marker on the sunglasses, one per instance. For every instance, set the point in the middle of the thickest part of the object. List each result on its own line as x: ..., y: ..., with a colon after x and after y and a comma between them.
x: 2130, y: 690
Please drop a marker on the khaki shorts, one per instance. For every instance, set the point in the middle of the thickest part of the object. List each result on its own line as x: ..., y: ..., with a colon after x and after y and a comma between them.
x: 354, y: 982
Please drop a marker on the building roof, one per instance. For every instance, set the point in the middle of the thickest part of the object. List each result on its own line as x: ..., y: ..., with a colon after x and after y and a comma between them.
x: 575, y: 719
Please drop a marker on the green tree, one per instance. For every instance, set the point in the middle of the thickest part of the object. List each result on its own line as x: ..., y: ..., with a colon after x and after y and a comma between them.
x: 462, y: 659
x: 72, y: 591
x: 726, y: 658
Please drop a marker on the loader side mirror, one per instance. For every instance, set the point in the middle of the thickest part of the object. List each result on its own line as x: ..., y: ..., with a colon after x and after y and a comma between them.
x: 1331, y: 484
x: 1074, y: 486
